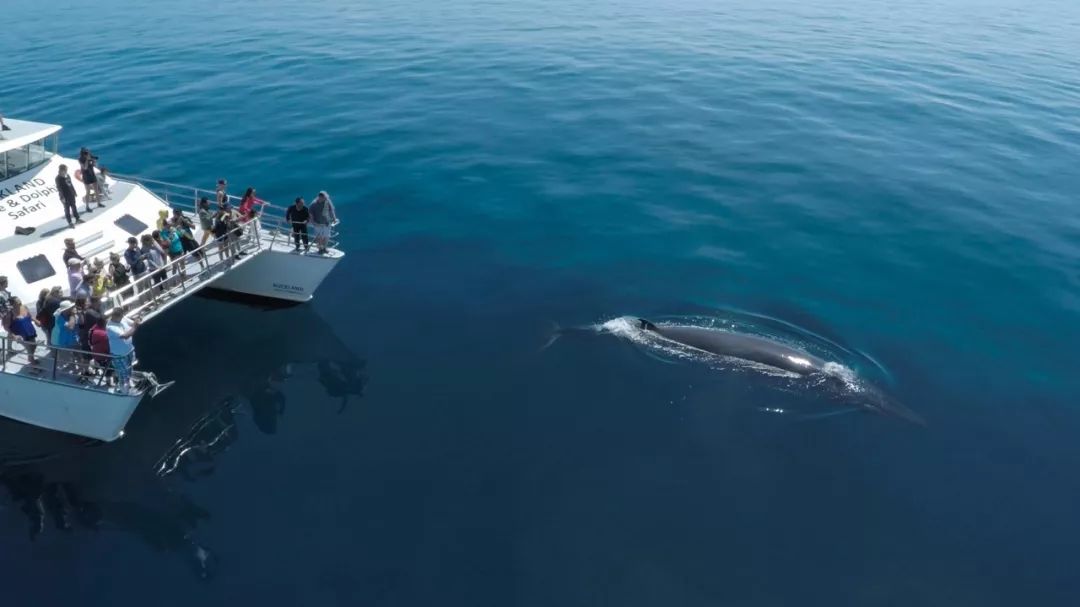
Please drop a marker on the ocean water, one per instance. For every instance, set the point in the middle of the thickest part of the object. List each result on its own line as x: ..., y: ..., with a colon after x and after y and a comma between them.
x: 896, y: 183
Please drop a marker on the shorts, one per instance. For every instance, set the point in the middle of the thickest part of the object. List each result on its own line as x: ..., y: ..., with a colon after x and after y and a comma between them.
x: 175, y: 256
x: 320, y: 231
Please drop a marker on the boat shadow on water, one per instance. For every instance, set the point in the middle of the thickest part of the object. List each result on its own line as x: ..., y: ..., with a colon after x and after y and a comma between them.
x: 51, y: 479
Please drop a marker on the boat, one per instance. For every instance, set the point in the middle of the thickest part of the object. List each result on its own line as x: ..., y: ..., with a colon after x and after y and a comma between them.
x: 64, y: 389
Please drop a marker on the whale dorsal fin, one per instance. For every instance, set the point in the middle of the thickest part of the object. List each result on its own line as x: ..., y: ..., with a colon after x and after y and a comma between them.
x: 646, y: 325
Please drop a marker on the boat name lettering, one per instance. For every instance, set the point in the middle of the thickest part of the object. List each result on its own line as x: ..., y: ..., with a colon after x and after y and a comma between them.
x: 284, y: 287
x: 14, y: 198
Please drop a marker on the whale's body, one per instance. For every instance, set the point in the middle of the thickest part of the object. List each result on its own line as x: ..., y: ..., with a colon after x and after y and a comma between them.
x: 777, y: 355
x: 738, y: 345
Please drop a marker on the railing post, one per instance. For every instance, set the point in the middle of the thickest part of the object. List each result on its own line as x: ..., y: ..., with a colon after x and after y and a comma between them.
x: 55, y: 359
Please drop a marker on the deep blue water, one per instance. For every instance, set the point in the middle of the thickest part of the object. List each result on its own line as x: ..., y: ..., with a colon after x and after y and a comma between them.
x: 900, y: 178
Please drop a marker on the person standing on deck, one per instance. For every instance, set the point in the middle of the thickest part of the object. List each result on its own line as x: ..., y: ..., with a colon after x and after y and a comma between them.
x: 87, y: 170
x: 70, y: 252
x: 206, y: 219
x: 5, y: 298
x: 21, y: 328
x: 299, y: 215
x: 68, y: 196
x: 323, y: 217
x: 75, y: 277
x: 221, y: 191
x: 120, y: 332
x: 46, y: 311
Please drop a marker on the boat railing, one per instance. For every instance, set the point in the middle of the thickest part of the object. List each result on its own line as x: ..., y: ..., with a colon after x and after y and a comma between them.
x: 74, y: 367
x: 172, y: 280
x: 271, y: 216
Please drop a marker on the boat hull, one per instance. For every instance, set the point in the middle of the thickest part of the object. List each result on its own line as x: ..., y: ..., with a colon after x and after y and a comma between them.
x: 279, y: 274
x: 59, y: 406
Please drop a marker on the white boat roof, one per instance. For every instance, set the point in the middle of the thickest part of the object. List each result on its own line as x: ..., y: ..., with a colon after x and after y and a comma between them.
x: 24, y: 132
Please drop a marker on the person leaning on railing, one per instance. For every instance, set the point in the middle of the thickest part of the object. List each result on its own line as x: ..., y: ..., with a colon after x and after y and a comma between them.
x: 298, y: 216
x: 120, y: 331
x: 323, y: 217
x: 20, y: 327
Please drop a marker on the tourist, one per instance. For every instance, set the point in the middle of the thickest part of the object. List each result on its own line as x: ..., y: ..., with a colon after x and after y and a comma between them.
x: 224, y: 228
x: 135, y: 259
x: 64, y: 335
x: 5, y: 297
x: 174, y: 248
x: 322, y: 218
x: 206, y: 219
x: 46, y: 310
x: 162, y: 219
x: 221, y: 191
x: 103, y: 183
x: 68, y: 196
x: 70, y: 252
x: 101, y: 281
x: 87, y: 166
x: 42, y: 296
x: 298, y: 215
x: 99, y: 346
x: 21, y: 327
x: 119, y: 275
x: 120, y: 331
x: 247, y: 205
x: 75, y: 276
x: 88, y: 316
x: 186, y: 229
x: 155, y: 260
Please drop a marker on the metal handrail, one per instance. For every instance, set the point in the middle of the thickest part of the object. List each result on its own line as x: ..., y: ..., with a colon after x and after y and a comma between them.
x: 147, y: 291
x: 80, y: 367
x: 174, y: 194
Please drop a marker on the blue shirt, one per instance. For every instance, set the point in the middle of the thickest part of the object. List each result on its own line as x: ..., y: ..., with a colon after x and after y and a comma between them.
x: 63, y: 337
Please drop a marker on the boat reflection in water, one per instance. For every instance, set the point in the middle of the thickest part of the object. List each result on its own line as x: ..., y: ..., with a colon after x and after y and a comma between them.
x: 137, y: 485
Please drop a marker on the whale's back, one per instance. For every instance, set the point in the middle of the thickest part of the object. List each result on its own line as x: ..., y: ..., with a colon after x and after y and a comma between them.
x: 746, y: 347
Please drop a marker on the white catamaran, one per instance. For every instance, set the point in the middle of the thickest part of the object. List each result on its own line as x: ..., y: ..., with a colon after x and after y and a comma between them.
x: 64, y: 390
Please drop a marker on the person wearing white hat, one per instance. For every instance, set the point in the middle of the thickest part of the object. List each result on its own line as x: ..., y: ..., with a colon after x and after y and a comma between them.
x: 64, y: 334
x: 75, y: 275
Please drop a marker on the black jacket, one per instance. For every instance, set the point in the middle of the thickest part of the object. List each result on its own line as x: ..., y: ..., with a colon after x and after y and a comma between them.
x: 66, y: 188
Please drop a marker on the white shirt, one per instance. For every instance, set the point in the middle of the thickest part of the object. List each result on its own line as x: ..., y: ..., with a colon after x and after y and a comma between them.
x: 119, y: 345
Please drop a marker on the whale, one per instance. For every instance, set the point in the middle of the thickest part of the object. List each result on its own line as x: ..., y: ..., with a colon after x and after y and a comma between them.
x: 781, y: 356
x: 739, y: 345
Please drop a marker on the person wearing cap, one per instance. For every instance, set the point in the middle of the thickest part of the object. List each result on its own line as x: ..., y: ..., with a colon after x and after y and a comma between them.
x: 100, y: 281
x: 75, y: 275
x: 298, y: 215
x: 68, y: 196
x: 322, y: 217
x: 120, y: 331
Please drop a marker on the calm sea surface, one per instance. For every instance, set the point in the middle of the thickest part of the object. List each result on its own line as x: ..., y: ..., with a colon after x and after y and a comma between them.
x: 900, y: 179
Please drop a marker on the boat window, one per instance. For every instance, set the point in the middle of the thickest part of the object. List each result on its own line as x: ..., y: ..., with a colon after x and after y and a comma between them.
x: 3, y: 166
x: 38, y: 154
x: 131, y: 225
x: 35, y: 268
x: 17, y: 160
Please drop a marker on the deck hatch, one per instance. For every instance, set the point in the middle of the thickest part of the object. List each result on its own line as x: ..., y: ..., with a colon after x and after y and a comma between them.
x: 35, y: 268
x: 131, y: 225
